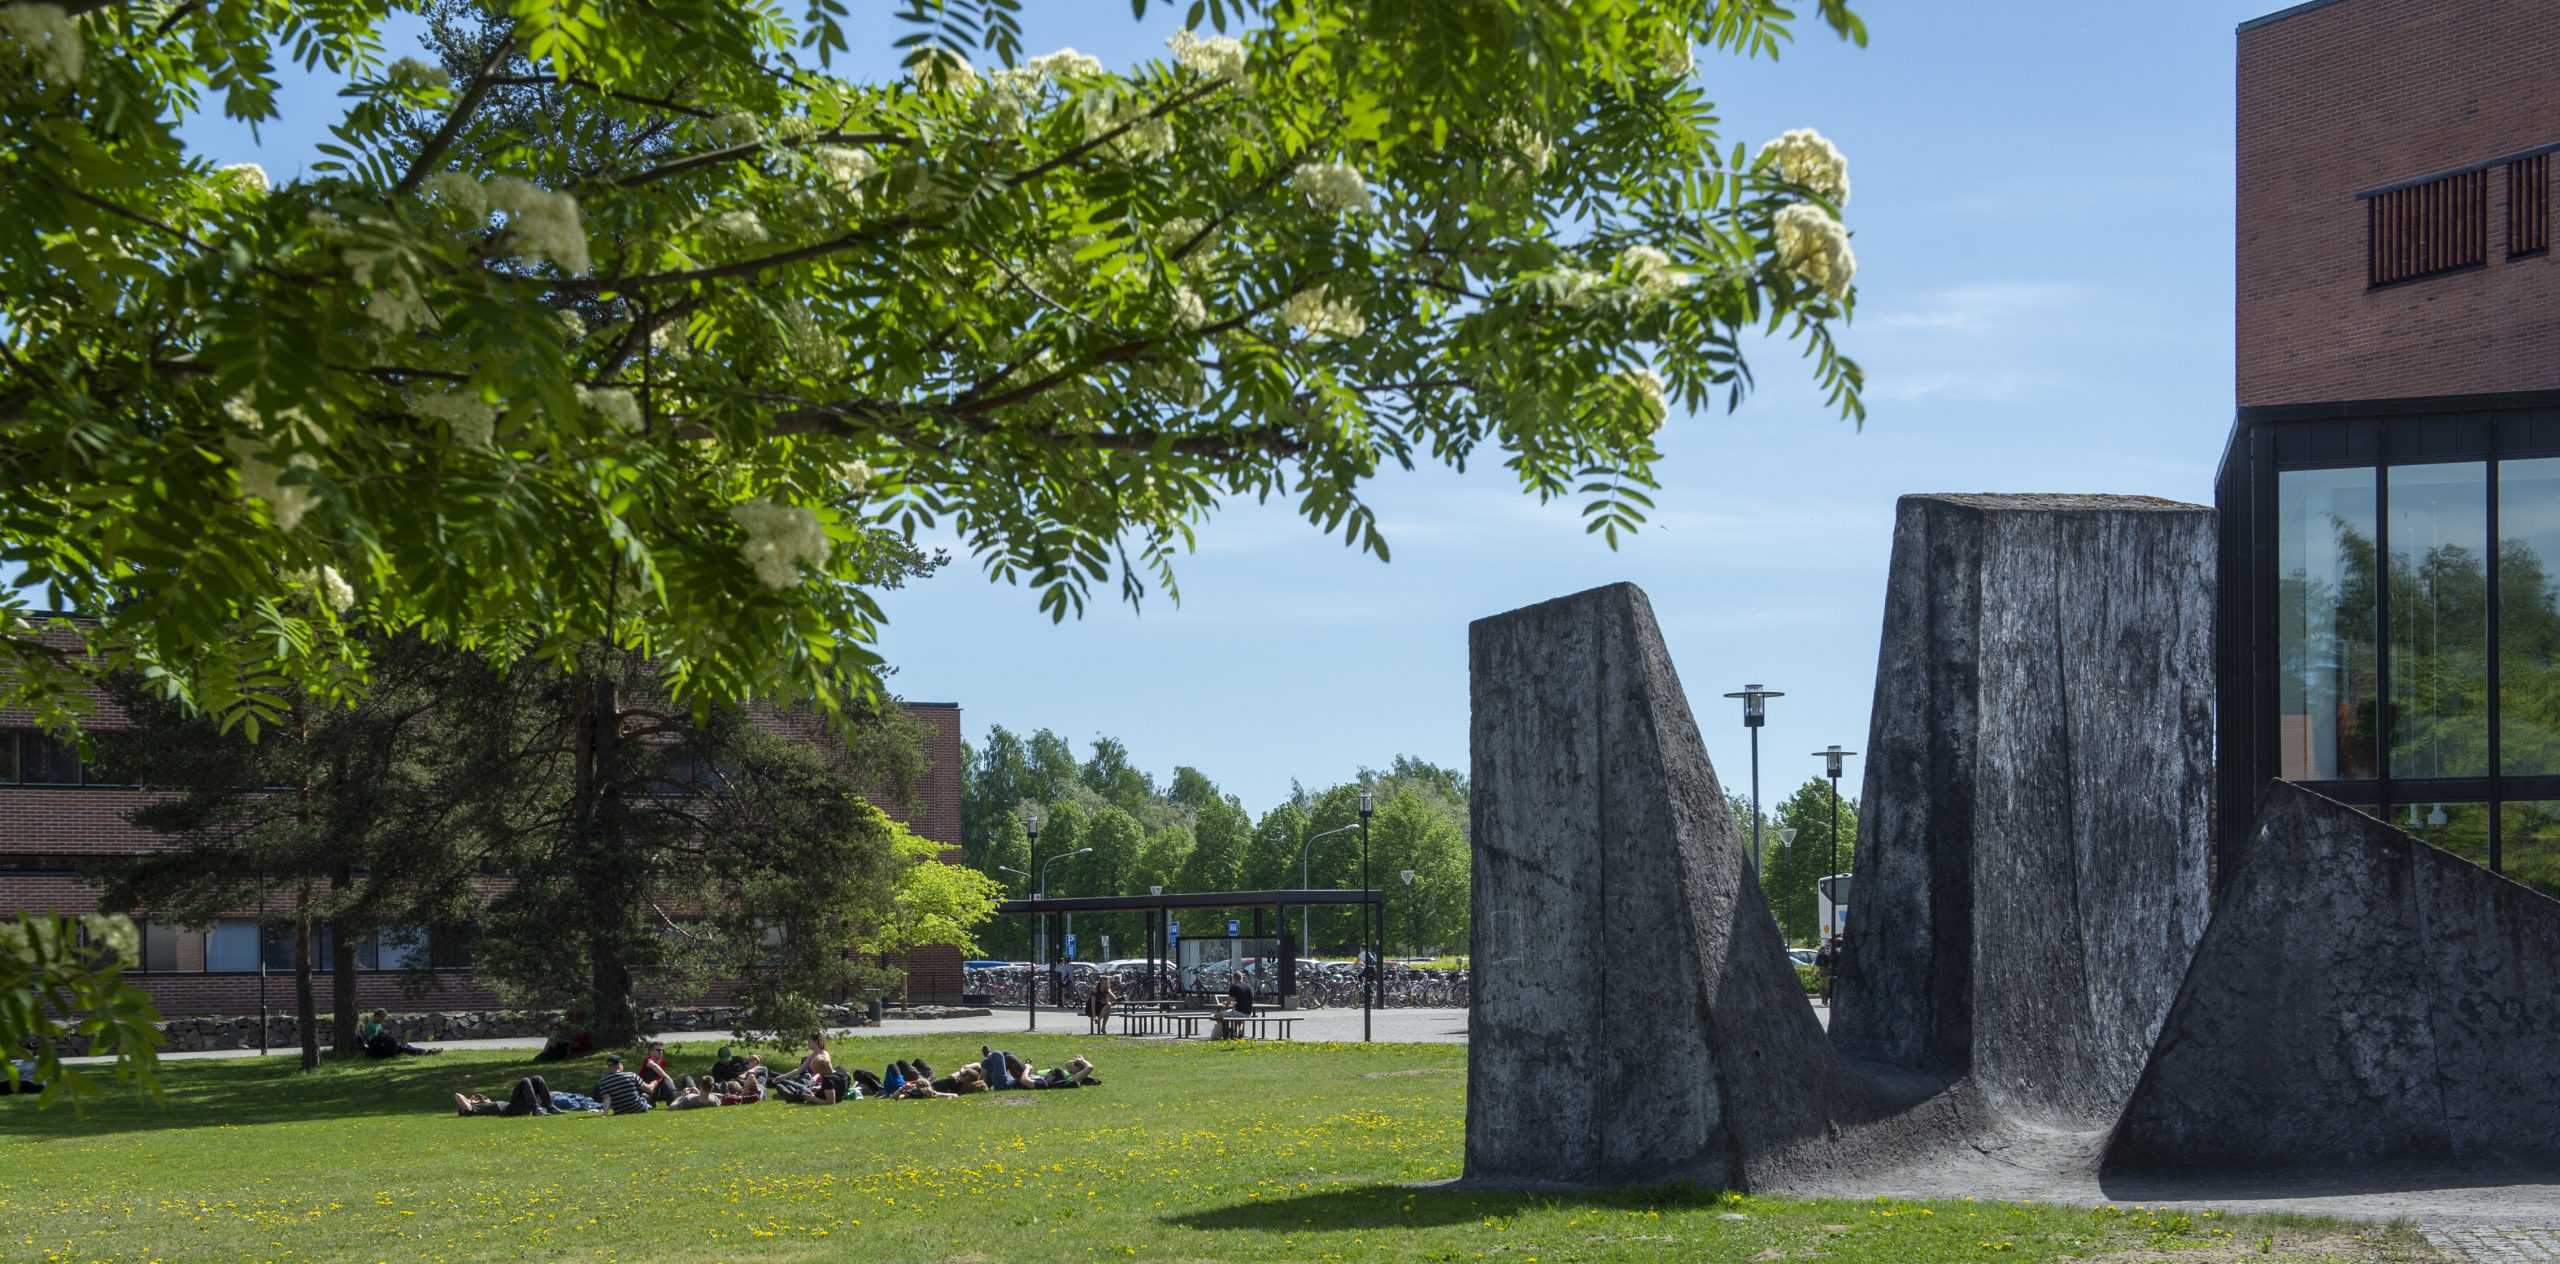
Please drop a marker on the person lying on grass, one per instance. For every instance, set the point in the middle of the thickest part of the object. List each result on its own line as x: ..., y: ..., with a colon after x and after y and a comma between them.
x: 746, y: 1090
x: 621, y: 1091
x: 695, y: 1096
x: 530, y: 1096
x: 960, y: 1083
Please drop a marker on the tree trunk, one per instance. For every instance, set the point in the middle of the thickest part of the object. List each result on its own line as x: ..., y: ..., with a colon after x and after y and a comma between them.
x: 605, y: 868
x: 342, y: 963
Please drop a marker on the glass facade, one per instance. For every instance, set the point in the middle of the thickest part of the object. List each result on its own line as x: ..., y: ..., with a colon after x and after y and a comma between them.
x: 2396, y: 643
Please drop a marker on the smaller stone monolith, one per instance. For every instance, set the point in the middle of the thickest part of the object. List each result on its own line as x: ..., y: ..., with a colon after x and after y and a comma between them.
x: 2361, y: 1001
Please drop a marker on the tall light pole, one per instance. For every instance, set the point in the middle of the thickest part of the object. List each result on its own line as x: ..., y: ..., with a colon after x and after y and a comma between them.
x: 1305, y: 941
x: 1831, y: 757
x: 1369, y: 993
x: 1408, y: 913
x: 1755, y: 712
x: 1039, y: 922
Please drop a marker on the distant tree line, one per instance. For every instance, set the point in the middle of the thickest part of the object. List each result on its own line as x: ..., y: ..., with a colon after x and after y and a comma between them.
x: 1187, y: 835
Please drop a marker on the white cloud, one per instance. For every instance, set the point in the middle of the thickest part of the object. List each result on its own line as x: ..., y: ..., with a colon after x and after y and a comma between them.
x: 1998, y: 386
x: 1982, y: 305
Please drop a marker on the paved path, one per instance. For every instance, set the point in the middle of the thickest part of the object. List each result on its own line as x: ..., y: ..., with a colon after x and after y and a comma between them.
x: 1410, y: 1026
x: 2496, y: 1245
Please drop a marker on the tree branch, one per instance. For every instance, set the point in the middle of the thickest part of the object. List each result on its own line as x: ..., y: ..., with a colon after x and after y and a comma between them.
x: 461, y: 114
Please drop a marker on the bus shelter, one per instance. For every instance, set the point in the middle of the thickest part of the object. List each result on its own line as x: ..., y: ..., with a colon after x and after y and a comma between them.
x: 1258, y: 944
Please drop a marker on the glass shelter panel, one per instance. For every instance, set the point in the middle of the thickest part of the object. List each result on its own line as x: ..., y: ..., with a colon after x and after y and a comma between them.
x: 2529, y: 617
x: 2325, y: 531
x: 2439, y: 610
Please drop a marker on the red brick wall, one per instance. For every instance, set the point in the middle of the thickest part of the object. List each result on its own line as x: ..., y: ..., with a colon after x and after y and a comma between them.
x: 2354, y: 94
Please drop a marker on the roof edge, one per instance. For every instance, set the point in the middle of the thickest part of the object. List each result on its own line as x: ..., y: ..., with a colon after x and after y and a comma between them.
x: 2281, y: 14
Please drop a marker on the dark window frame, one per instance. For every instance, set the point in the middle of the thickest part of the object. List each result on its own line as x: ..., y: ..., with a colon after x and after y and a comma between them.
x: 2428, y: 229
x: 2529, y: 206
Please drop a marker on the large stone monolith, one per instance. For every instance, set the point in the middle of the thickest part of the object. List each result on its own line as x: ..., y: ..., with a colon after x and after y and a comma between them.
x: 2362, y: 1001
x: 2030, y: 875
x: 1636, y: 1020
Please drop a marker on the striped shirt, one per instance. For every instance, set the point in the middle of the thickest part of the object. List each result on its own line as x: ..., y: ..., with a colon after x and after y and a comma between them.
x: 621, y: 1093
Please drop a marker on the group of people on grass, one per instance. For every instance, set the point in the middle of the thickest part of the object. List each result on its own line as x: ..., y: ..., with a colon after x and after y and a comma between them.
x: 746, y: 1081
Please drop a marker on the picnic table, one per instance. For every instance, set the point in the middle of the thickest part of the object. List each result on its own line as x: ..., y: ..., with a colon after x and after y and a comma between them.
x: 1185, y: 1024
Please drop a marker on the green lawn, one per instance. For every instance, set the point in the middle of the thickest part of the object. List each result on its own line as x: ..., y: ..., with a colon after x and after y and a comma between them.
x: 1190, y: 1152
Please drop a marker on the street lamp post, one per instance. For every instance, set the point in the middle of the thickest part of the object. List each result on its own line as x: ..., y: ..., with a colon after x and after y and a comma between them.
x: 1039, y: 924
x: 1831, y: 757
x: 1755, y: 713
x: 1408, y: 913
x: 1369, y: 993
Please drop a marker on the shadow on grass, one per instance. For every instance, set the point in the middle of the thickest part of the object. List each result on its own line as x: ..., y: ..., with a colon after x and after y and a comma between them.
x: 242, y: 1092
x: 1427, y: 1206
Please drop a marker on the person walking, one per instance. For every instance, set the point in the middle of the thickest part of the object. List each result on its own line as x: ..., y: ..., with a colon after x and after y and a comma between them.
x: 1826, y: 964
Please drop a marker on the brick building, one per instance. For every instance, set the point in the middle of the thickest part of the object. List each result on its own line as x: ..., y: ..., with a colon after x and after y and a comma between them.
x: 2390, y: 615
x: 55, y: 818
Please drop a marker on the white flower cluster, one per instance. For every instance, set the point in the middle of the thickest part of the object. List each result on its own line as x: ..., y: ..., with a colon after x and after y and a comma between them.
x: 855, y: 475
x: 672, y: 340
x: 779, y: 539
x: 1066, y: 63
x: 1672, y: 55
x: 261, y: 475
x: 1188, y: 309
x: 942, y: 70
x: 573, y: 327
x: 462, y: 193
x: 1527, y: 151
x: 409, y: 73
x: 1570, y: 288
x: 740, y: 227
x: 613, y: 403
x: 730, y: 130
x: 247, y: 177
x: 1011, y: 95
x: 1815, y: 247
x: 844, y: 168
x: 1310, y: 313
x: 1650, y: 396
x: 1804, y: 156
x: 1218, y: 57
x: 51, y: 38
x: 1333, y: 186
x: 1148, y: 136
x: 466, y: 416
x: 399, y: 307
x: 544, y: 224
x: 329, y: 584
x: 809, y: 341
x: 1649, y: 270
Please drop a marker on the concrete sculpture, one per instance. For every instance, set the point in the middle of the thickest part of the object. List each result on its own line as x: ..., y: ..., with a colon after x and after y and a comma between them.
x: 2030, y: 877
x: 1636, y: 1019
x: 2362, y: 999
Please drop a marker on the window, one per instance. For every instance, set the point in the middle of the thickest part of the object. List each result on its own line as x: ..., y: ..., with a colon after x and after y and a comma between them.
x: 8, y: 759
x: 2529, y: 618
x: 2325, y: 590
x: 449, y: 947
x: 2439, y: 602
x: 45, y: 760
x: 232, y: 945
x: 2428, y: 228
x: 159, y: 947
x: 2529, y: 205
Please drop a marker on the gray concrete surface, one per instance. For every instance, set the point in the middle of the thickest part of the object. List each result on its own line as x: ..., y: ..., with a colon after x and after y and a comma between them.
x: 2030, y: 875
x: 1636, y: 1018
x: 2362, y: 1001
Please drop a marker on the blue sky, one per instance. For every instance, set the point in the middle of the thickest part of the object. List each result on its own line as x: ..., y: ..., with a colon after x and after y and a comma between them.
x: 2043, y: 209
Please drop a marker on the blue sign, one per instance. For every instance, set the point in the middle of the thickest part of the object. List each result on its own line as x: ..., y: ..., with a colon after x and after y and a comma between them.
x: 1233, y: 927
x: 1071, y: 947
x: 1172, y: 934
